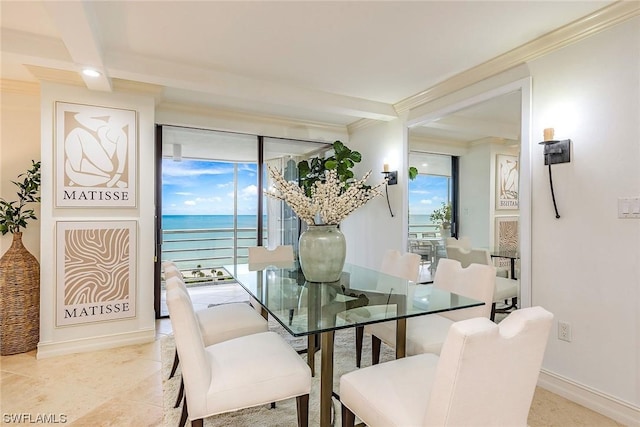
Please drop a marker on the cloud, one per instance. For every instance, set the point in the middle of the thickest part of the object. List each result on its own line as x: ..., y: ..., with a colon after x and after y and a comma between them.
x: 190, y: 202
x: 249, y: 191
x: 426, y: 201
x: 182, y: 193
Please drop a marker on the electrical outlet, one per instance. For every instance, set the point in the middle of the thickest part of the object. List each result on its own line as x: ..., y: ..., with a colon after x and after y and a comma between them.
x: 564, y: 331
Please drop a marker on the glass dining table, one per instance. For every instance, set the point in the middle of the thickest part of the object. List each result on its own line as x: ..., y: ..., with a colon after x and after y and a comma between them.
x: 361, y: 296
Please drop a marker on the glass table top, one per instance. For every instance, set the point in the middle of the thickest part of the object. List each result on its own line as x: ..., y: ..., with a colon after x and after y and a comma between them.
x: 360, y: 297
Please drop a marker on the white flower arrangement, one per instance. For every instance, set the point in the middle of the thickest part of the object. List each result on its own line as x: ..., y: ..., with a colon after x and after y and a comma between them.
x: 330, y: 202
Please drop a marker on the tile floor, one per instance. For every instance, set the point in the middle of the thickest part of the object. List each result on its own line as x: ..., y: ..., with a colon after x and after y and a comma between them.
x: 123, y: 386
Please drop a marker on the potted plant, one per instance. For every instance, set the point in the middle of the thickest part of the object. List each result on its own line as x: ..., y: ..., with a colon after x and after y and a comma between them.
x: 325, y: 194
x: 19, y: 270
x: 314, y: 170
x: 442, y: 216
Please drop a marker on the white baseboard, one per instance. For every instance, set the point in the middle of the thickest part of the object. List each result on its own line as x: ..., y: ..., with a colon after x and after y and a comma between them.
x: 94, y: 343
x: 616, y: 409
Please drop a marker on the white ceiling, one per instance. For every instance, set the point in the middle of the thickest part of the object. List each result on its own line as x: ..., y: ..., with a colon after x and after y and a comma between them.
x: 327, y: 61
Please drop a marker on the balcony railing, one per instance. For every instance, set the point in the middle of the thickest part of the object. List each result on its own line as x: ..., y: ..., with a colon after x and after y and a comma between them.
x: 199, y: 253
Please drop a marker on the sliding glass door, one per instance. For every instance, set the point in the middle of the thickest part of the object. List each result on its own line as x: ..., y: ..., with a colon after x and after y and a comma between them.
x: 210, y: 203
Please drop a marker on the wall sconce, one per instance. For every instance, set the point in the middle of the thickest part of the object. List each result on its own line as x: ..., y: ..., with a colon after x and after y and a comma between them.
x: 555, y: 151
x: 391, y: 178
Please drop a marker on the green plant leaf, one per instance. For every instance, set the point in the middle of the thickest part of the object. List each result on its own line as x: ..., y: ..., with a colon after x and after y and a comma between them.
x: 330, y: 164
x: 338, y: 147
x: 413, y: 173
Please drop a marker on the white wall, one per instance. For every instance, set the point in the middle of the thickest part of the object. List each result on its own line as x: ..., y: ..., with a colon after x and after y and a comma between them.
x: 478, y: 192
x: 475, y: 194
x: 371, y: 230
x: 92, y: 336
x: 19, y: 144
x: 586, y: 265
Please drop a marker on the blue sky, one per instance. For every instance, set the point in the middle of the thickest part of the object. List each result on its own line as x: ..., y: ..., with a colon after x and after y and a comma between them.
x: 195, y: 187
x: 426, y: 193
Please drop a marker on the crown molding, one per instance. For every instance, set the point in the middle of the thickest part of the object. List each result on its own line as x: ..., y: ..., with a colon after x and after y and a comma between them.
x: 578, y: 30
x: 360, y: 124
x: 55, y: 75
x: 128, y: 86
x: 20, y: 87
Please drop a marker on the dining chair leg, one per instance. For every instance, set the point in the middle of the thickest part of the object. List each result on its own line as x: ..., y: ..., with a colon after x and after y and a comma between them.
x: 348, y: 417
x: 375, y: 349
x: 359, y: 338
x: 184, y: 414
x: 180, y: 394
x: 493, y: 312
x: 176, y: 360
x: 302, y: 405
x: 197, y: 423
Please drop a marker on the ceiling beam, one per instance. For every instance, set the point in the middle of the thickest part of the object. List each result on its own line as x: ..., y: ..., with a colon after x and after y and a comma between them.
x: 75, y: 23
x: 227, y: 85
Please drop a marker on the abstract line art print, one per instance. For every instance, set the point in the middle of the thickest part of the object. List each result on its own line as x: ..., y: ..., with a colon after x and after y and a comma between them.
x: 95, y: 156
x: 95, y: 271
x: 506, y: 237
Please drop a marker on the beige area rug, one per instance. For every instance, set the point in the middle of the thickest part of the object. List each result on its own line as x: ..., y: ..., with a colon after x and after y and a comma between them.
x: 285, y: 412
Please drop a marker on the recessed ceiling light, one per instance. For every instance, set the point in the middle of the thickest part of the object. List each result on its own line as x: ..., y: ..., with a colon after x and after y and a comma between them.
x: 90, y: 72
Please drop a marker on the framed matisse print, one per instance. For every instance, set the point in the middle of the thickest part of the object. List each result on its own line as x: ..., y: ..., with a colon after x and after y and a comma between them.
x: 506, y: 237
x: 506, y: 233
x: 95, y: 271
x: 95, y: 151
x: 507, y: 182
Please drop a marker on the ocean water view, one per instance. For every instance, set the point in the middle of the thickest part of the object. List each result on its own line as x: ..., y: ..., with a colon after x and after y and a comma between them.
x: 207, y: 241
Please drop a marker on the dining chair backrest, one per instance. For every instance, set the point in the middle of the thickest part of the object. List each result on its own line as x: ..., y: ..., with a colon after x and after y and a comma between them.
x: 487, y: 372
x: 476, y: 281
x: 463, y: 242
x: 262, y: 254
x: 172, y: 272
x: 406, y: 266
x: 196, y: 369
x: 171, y: 269
x: 469, y: 256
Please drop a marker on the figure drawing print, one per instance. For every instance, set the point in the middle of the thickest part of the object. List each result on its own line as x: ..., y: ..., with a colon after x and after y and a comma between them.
x: 96, y: 149
x: 507, y: 191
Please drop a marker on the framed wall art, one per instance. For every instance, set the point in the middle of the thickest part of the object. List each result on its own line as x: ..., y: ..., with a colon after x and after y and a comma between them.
x: 507, y: 182
x: 95, y: 149
x: 506, y: 237
x: 95, y: 271
x: 506, y: 233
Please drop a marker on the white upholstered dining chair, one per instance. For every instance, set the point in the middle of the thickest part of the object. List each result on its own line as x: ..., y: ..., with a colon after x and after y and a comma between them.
x: 485, y: 376
x: 426, y: 334
x: 463, y: 242
x: 505, y: 289
x: 394, y: 263
x: 217, y: 323
x: 260, y: 257
x: 263, y: 255
x: 238, y: 373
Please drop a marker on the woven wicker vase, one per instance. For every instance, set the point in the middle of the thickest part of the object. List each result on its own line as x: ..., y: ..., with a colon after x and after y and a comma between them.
x: 19, y: 299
